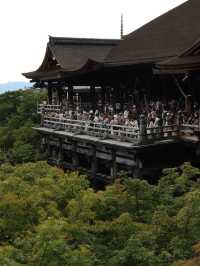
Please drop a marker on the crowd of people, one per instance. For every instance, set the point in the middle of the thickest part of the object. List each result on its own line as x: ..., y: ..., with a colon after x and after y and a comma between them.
x: 156, y: 114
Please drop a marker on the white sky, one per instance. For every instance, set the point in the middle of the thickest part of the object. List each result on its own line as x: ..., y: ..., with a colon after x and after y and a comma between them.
x: 26, y: 24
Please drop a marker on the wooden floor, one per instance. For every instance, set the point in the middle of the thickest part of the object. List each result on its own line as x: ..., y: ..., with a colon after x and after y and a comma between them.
x: 100, y: 156
x: 106, y: 142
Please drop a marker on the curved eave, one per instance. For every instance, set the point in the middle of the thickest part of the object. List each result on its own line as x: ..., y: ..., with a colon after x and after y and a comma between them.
x: 137, y: 61
x: 89, y: 67
x: 44, y: 71
x: 179, y: 69
x: 158, y: 71
x: 43, y: 75
x: 178, y: 65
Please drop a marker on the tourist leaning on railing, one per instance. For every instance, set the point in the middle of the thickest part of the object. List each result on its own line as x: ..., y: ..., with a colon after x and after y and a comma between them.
x: 157, y: 114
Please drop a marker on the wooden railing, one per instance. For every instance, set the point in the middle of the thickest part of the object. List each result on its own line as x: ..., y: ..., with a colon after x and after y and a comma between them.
x: 189, y: 131
x: 107, y: 131
x: 48, y: 108
x: 189, y: 126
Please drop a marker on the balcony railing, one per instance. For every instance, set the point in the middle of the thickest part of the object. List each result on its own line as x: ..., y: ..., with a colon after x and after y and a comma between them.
x: 107, y: 131
x: 48, y: 108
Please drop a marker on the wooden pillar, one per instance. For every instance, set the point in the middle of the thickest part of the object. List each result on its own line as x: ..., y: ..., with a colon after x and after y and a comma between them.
x: 103, y: 96
x: 93, y: 97
x: 75, y: 160
x: 43, y: 144
x: 188, y: 104
x: 93, y: 162
x: 53, y: 152
x: 48, y: 150
x: 71, y: 97
x: 143, y: 129
x: 60, y: 152
x: 137, y: 172
x: 60, y: 95
x: 113, y: 169
x: 49, y: 90
x: 122, y: 91
x: 113, y: 97
x: 108, y: 95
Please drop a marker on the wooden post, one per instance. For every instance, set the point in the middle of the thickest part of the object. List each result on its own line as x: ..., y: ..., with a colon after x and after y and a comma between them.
x: 115, y: 98
x: 199, y: 120
x: 188, y: 104
x: 49, y: 89
x: 75, y: 161
x: 48, y: 150
x: 113, y: 169
x: 71, y: 97
x: 93, y: 162
x: 54, y: 96
x: 122, y: 91
x: 103, y: 94
x: 53, y: 152
x: 108, y: 91
x: 60, y: 154
x: 143, y: 128
x: 60, y: 95
x: 137, y: 169
x: 43, y: 144
x: 93, y: 97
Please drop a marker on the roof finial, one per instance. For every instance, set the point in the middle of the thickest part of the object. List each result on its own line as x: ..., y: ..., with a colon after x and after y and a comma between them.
x: 122, y: 26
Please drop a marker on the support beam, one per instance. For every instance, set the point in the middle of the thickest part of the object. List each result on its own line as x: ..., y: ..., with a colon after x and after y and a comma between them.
x: 122, y: 90
x: 107, y: 95
x: 93, y: 97
x: 113, y: 169
x: 60, y: 95
x: 143, y: 129
x: 137, y: 171
x: 188, y: 104
x: 114, y: 98
x: 75, y: 159
x: 55, y: 99
x: 49, y: 90
x: 199, y: 121
x: 103, y: 97
x: 48, y: 149
x: 93, y: 162
x: 60, y: 151
x: 71, y: 97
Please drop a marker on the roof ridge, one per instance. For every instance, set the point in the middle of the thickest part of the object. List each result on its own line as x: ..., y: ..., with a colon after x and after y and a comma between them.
x: 74, y: 40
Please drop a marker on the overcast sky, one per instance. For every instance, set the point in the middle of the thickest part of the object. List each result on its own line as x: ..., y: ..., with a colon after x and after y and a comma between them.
x: 26, y: 24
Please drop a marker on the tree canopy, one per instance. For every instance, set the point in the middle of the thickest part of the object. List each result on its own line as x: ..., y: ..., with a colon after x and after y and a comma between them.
x: 48, y: 217
x: 18, y: 114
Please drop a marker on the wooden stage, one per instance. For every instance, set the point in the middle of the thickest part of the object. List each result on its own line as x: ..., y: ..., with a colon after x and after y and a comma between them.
x: 107, y: 157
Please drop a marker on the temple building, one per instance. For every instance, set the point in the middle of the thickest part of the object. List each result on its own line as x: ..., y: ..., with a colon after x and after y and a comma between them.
x: 154, y: 67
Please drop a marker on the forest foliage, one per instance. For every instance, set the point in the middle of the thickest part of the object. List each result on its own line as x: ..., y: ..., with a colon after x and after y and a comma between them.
x: 48, y: 217
x: 18, y: 114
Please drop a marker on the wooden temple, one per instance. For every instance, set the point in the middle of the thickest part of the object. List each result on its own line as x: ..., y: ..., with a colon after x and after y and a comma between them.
x: 159, y: 61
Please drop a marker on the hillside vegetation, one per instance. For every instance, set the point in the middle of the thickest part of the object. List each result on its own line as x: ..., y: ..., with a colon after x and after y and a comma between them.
x: 18, y: 114
x: 48, y: 217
